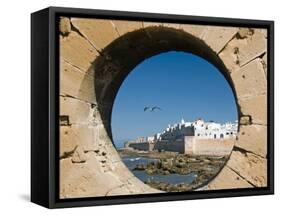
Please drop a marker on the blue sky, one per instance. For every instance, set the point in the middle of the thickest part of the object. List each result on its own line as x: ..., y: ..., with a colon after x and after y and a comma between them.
x: 182, y: 84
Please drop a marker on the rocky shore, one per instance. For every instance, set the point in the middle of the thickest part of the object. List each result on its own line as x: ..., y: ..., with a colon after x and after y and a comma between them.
x: 204, y: 168
x: 151, y: 154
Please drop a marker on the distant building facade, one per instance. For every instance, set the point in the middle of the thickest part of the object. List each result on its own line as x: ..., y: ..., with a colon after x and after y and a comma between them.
x: 178, y: 136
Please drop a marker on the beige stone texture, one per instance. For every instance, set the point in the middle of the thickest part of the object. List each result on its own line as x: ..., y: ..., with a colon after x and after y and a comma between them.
x: 76, y: 83
x: 68, y: 141
x: 70, y: 106
x: 248, y: 45
x: 73, y: 136
x: 252, y: 46
x: 217, y: 37
x: 78, y: 155
x: 245, y: 32
x: 245, y: 120
x: 99, y: 32
x: 90, y: 165
x: 253, y: 138
x: 172, y: 25
x: 124, y: 27
x: 228, y: 179
x: 149, y: 24
x: 251, y: 167
x: 256, y: 107
x: 65, y: 26
x: 250, y: 80
x: 195, y: 30
x: 77, y: 51
x: 229, y: 56
x: 264, y: 62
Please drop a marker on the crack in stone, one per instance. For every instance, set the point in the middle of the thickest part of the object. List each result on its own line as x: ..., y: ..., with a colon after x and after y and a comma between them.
x: 243, y: 98
x: 79, y: 99
x: 241, y: 176
x: 68, y: 154
x: 77, y: 30
x: 75, y: 66
x: 245, y: 151
x: 222, y: 49
x: 111, y: 189
x: 254, y: 58
x: 260, y: 124
x: 115, y: 28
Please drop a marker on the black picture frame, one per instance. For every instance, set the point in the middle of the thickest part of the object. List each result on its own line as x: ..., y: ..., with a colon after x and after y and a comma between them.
x: 45, y: 107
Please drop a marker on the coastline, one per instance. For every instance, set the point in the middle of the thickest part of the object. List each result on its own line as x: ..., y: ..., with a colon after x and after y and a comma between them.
x: 203, y: 167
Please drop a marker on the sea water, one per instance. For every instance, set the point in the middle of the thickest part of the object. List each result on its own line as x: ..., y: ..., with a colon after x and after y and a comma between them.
x: 132, y: 162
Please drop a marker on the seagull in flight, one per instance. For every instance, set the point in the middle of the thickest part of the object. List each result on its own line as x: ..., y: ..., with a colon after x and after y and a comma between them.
x: 155, y: 108
x: 146, y: 108
x: 151, y: 109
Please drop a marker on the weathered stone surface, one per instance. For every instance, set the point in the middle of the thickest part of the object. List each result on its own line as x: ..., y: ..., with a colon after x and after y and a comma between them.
x: 227, y: 179
x: 256, y: 107
x: 76, y: 83
x: 217, y: 37
x: 99, y: 32
x: 229, y: 56
x: 172, y: 25
x: 75, y: 137
x: 264, y: 63
x: 251, y: 167
x: 249, y: 81
x: 68, y: 141
x: 248, y: 45
x: 77, y: 51
x: 124, y: 27
x: 148, y: 24
x: 253, y: 138
x: 65, y: 26
x: 90, y: 165
x: 85, y: 179
x: 71, y: 106
x: 254, y: 46
x: 263, y: 31
x: 78, y: 155
x: 245, y: 32
x: 245, y: 120
x: 195, y: 30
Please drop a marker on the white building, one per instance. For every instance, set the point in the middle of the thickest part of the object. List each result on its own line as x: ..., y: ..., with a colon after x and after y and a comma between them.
x: 200, y: 129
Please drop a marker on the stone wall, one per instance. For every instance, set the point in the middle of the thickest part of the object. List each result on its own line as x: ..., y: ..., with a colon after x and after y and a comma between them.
x: 174, y: 146
x: 194, y: 146
x: 145, y: 146
x: 96, y: 56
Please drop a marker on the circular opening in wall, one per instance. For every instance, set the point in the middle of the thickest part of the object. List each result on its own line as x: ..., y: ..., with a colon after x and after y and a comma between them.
x: 174, y: 121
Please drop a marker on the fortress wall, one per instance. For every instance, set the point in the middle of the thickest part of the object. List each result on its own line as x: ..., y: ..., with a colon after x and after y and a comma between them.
x: 174, y: 146
x: 140, y: 146
x: 195, y: 146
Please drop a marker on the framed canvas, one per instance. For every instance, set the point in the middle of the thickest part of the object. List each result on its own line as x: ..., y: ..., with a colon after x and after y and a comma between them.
x: 138, y: 107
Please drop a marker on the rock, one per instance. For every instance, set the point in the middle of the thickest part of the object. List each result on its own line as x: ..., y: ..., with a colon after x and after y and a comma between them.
x: 166, y: 172
x: 150, y: 171
x: 140, y: 167
x: 203, y: 167
x: 65, y: 26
